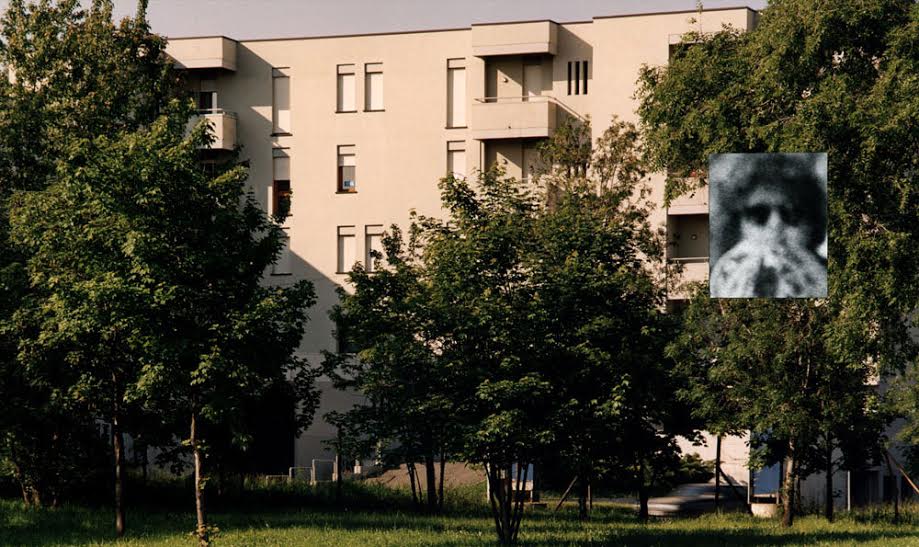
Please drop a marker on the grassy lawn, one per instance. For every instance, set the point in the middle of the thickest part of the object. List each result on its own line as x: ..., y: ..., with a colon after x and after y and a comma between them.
x: 610, y: 526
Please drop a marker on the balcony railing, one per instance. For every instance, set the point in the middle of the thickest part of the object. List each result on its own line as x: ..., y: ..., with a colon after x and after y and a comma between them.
x: 513, y: 117
x: 681, y: 271
x: 223, y: 127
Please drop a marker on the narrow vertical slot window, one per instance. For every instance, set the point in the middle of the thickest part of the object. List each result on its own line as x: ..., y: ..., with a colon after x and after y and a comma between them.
x: 456, y: 159
x: 456, y: 92
x: 373, y: 243
x: 585, y: 77
x: 347, y: 249
x: 280, y: 96
x: 347, y: 169
x: 577, y: 77
x: 280, y: 188
x: 373, y: 87
x: 569, y: 77
x: 346, y: 89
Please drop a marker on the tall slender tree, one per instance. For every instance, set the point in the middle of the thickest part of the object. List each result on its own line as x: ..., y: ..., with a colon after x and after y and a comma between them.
x: 410, y: 413
x: 596, y: 266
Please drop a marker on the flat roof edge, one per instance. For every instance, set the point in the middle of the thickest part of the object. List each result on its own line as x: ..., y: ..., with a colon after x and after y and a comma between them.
x: 457, y: 29
x: 492, y: 23
x: 201, y: 37
x: 675, y: 12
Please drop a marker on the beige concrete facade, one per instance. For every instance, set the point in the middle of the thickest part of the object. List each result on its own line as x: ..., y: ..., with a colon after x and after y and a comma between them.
x: 393, y: 112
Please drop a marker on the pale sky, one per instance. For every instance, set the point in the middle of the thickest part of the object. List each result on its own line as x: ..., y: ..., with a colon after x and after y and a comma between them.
x: 246, y: 19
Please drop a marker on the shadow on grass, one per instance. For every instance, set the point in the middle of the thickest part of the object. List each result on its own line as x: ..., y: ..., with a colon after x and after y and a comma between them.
x: 78, y: 526
x: 611, y: 526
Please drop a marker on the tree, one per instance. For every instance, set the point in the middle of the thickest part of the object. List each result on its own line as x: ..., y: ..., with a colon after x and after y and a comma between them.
x: 812, y: 78
x: 69, y: 74
x: 764, y: 366
x: 596, y: 270
x: 482, y: 297
x: 150, y: 272
x: 409, y: 413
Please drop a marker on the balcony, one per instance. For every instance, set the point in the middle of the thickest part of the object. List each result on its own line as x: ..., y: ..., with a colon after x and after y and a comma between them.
x: 512, y: 117
x: 681, y: 272
x: 537, y: 37
x: 203, y: 53
x: 223, y: 128
x: 691, y: 203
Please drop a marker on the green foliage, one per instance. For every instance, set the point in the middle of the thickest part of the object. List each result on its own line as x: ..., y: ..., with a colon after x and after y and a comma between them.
x: 145, y: 295
x: 409, y: 413
x: 595, y: 270
x: 807, y: 78
x: 69, y: 75
x: 523, y: 325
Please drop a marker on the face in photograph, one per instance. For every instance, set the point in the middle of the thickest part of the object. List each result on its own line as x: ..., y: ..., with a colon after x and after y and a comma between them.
x: 768, y: 225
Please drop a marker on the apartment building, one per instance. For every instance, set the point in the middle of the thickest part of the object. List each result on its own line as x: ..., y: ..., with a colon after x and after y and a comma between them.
x: 353, y: 132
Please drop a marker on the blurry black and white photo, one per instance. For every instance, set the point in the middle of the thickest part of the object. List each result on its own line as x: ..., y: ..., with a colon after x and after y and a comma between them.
x: 768, y: 223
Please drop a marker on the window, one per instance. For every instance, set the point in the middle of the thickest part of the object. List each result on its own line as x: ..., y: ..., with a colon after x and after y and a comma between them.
x: 577, y: 77
x: 456, y: 159
x: 456, y: 92
x: 347, y: 249
x: 281, y: 266
x: 207, y: 96
x: 347, y: 165
x: 280, y: 97
x: 281, y: 205
x: 373, y: 241
x: 373, y: 87
x: 346, y: 89
x: 584, y: 76
x: 344, y: 339
x: 280, y: 189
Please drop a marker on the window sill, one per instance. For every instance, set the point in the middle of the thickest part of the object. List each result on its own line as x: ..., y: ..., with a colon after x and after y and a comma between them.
x: 346, y: 111
x: 456, y: 127
x: 282, y: 134
x: 380, y: 110
x: 346, y: 191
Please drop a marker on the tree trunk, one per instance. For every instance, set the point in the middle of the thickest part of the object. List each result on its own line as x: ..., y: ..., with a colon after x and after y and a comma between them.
x: 411, y: 480
x: 430, y: 477
x: 788, y: 496
x: 828, y: 509
x: 896, y: 489
x: 642, y: 494
x: 495, y: 500
x: 440, y: 496
x: 145, y: 462
x: 118, y: 450
x: 583, y: 486
x: 718, y: 472
x: 507, y: 496
x: 339, y: 468
x: 201, y: 531
x: 517, y: 500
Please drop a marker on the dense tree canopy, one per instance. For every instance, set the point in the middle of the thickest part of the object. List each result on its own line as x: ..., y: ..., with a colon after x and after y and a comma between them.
x: 812, y: 76
x: 144, y: 296
x: 69, y: 74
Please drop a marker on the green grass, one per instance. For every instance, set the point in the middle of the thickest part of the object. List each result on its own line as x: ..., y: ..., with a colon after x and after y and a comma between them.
x: 364, y: 528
